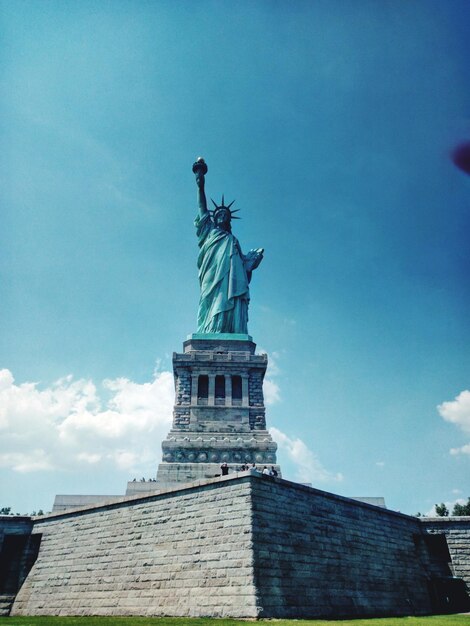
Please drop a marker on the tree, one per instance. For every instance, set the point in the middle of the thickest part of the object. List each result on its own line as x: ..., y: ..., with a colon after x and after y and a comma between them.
x: 461, y: 509
x: 6, y: 510
x: 441, y: 510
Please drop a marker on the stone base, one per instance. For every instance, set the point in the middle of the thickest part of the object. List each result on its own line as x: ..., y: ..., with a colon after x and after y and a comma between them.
x: 206, y: 445
x: 223, y: 342
x: 219, y: 414
x: 244, y: 545
x: 138, y: 488
x: 223, y: 336
x: 67, y: 502
x: 170, y: 474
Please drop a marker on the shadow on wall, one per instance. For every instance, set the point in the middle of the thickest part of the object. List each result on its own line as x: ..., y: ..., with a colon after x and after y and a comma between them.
x: 448, y: 592
x: 18, y: 554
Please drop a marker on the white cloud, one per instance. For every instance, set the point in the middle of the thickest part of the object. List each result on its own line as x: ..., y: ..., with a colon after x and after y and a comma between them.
x: 458, y: 412
x: 271, y: 390
x: 125, y: 459
x: 6, y: 379
x: 380, y: 463
x: 273, y: 364
x: 67, y: 424
x: 462, y: 450
x: 308, y: 468
x: 31, y: 461
x: 89, y: 458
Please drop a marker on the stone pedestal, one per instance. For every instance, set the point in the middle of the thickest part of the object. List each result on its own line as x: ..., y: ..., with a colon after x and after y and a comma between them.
x: 219, y: 413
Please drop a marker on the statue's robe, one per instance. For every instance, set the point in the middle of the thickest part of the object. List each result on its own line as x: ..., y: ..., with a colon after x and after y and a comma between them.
x: 223, y: 306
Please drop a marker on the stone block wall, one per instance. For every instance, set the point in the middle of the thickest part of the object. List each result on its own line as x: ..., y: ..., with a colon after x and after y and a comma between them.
x: 219, y: 418
x: 239, y: 546
x: 183, y: 553
x: 181, y: 417
x: 256, y: 388
x: 257, y: 409
x: 321, y: 555
x: 183, y: 386
x: 457, y: 533
x: 181, y: 411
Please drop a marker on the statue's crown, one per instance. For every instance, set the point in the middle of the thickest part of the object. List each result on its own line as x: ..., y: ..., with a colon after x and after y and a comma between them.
x: 222, y: 207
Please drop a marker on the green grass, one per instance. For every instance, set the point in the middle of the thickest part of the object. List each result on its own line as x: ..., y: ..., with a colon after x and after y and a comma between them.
x: 435, y: 620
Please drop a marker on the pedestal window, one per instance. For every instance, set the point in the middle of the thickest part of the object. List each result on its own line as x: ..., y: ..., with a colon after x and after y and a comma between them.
x: 202, y: 389
x: 220, y: 390
x: 236, y: 390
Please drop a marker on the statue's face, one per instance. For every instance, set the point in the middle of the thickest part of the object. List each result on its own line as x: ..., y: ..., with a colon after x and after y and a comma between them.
x: 222, y: 219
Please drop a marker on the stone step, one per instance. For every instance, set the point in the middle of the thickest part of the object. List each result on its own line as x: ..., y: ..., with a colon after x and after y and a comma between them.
x: 6, y: 602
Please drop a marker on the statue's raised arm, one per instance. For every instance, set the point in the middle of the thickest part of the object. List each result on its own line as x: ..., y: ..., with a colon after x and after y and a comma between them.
x: 224, y: 271
x: 200, y: 169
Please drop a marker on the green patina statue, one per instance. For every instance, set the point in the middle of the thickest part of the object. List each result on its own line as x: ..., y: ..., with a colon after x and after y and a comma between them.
x: 224, y: 271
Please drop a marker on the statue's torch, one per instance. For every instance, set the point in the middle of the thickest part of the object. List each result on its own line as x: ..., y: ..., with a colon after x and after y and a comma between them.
x: 200, y: 169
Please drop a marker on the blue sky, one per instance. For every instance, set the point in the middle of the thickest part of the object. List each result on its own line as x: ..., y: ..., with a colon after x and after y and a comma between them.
x: 331, y: 124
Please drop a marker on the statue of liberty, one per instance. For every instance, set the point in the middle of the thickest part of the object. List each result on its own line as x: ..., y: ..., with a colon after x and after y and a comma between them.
x: 224, y: 271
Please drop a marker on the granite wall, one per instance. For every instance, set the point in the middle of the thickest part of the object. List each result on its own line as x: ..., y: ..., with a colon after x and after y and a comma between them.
x: 321, y: 555
x: 186, y: 552
x: 457, y: 533
x: 245, y: 545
